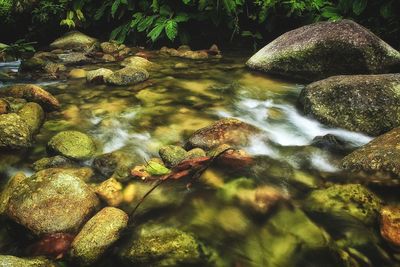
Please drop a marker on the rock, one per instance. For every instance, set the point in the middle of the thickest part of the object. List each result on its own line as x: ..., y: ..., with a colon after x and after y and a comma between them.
x: 137, y: 62
x: 181, y: 65
x: 111, y: 192
x: 14, y: 132
x: 108, y: 58
x: 98, y: 234
x: 324, y: 49
x: 32, y: 93
x: 226, y: 131
x: 111, y: 47
x: 355, y: 102
x: 6, y: 76
x: 353, y: 201
x: 74, y: 40
x: 33, y: 64
x: 194, y: 55
x: 75, y: 58
x: 172, y: 155
x: 12, y: 261
x: 116, y: 164
x: 380, y: 155
x: 73, y: 145
x: 53, y: 68
x: 332, y: 143
x: 99, y: 75
x: 53, y: 162
x: 14, y: 104
x: 184, y: 48
x: 195, y: 153
x: 52, y: 201
x: 127, y: 76
x: 164, y: 246
x: 9, y: 189
x: 390, y: 224
x: 214, y: 50
x: 4, y: 106
x: 77, y: 74
x: 33, y: 115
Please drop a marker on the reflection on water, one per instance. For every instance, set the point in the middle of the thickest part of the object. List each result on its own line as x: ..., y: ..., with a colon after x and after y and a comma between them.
x: 221, y: 210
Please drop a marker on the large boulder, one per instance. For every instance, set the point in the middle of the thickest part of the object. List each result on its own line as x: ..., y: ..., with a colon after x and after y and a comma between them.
x: 364, y: 103
x: 73, y: 40
x: 32, y: 93
x: 98, y: 234
x: 127, y: 76
x: 164, y: 246
x: 380, y: 155
x: 324, y: 49
x: 225, y: 131
x: 14, y: 132
x: 52, y: 201
x: 73, y: 145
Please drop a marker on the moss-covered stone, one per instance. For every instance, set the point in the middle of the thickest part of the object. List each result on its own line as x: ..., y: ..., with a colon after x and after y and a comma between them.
x: 74, y: 40
x: 12, y: 261
x: 9, y: 189
x: 351, y: 200
x: 164, y: 246
x: 32, y: 93
x: 226, y: 131
x: 111, y: 47
x: 33, y: 64
x: 364, y: 103
x: 52, y: 201
x: 137, y: 62
x: 33, y: 115
x: 127, y: 76
x: 53, y: 162
x: 195, y: 153
x: 97, y: 235
x: 116, y: 164
x: 380, y: 155
x: 324, y: 49
x: 172, y: 155
x: 98, y: 76
x: 73, y: 145
x: 110, y: 191
x: 390, y: 224
x: 14, y: 132
x: 14, y: 104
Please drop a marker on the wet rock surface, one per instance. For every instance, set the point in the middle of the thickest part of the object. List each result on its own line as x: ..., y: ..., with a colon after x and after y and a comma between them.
x: 324, y: 49
x: 127, y: 76
x: 14, y: 132
x: 390, y: 224
x: 363, y: 103
x: 51, y: 201
x: 74, y: 40
x: 11, y: 261
x: 73, y: 145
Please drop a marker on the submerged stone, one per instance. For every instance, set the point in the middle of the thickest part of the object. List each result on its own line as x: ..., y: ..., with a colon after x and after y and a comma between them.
x: 98, y: 234
x: 52, y: 201
x: 116, y: 164
x: 324, y: 49
x: 74, y: 40
x: 380, y: 155
x: 127, y: 76
x: 77, y: 74
x: 33, y: 115
x: 53, y: 162
x: 226, y: 131
x: 73, y: 145
x: 32, y: 93
x: 350, y: 200
x: 14, y: 132
x: 364, y: 103
x: 164, y: 246
x: 110, y: 191
x: 33, y: 64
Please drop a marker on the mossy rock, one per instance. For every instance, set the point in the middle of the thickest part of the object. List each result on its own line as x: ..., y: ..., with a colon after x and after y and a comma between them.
x: 14, y: 132
x: 73, y: 145
x: 6, y: 7
x: 153, y: 245
x: 32, y: 93
x: 380, y: 155
x: 52, y: 201
x: 325, y: 49
x: 33, y: 64
x: 53, y: 162
x: 137, y: 62
x: 4, y: 106
x: 116, y: 164
x: 363, y: 103
x: 351, y: 200
x: 127, y: 76
x: 97, y: 235
x: 98, y: 76
x: 225, y: 131
x: 172, y: 155
x: 74, y: 40
x: 12, y: 261
x: 33, y: 115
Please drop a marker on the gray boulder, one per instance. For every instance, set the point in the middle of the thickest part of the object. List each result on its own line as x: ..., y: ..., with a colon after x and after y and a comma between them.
x: 324, y: 49
x: 364, y: 103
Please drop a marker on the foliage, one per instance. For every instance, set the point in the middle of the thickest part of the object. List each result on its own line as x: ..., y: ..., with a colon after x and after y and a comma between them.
x: 18, y: 48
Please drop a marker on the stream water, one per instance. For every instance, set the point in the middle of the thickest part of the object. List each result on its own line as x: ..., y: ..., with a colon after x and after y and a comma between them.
x: 174, y: 103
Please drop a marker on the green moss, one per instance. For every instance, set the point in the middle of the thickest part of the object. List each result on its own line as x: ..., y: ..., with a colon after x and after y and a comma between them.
x: 5, y: 9
x: 72, y: 144
x: 172, y: 155
x: 33, y: 114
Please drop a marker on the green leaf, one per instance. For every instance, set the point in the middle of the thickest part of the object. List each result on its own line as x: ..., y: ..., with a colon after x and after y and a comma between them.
x: 145, y: 23
x: 114, y: 7
x: 186, y: 2
x: 359, y: 6
x: 171, y: 29
x: 165, y: 11
x: 181, y: 17
x: 156, y: 169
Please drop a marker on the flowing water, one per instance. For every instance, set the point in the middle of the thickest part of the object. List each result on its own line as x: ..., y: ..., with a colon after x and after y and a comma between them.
x: 174, y: 103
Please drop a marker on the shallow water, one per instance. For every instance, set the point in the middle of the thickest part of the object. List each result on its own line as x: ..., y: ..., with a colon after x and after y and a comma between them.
x: 172, y: 105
